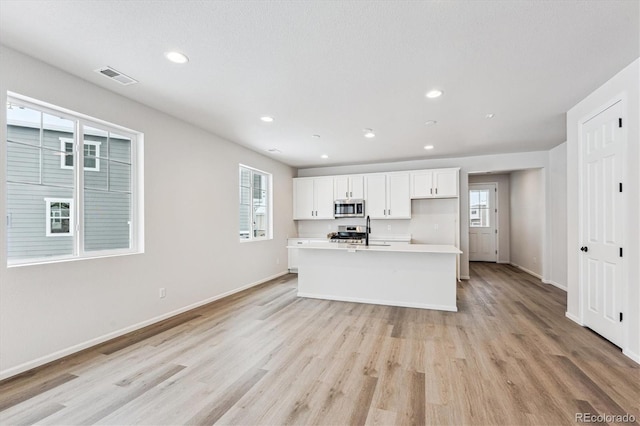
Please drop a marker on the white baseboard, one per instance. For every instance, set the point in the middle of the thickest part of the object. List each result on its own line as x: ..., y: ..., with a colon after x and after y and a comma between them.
x: 465, y: 277
x: 555, y: 284
x: 634, y: 356
x: 526, y: 270
x: 93, y: 342
x: 379, y: 302
x: 573, y: 318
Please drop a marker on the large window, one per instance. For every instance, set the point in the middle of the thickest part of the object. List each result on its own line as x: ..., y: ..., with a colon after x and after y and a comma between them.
x: 255, y: 204
x: 59, y: 208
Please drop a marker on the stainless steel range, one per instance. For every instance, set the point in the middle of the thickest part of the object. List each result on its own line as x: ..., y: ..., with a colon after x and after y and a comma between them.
x: 350, y: 234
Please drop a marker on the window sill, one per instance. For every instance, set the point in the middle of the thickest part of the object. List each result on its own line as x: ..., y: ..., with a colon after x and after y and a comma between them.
x: 64, y: 259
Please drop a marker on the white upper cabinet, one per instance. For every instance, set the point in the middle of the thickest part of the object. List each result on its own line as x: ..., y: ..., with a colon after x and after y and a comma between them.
x: 437, y: 183
x: 387, y: 196
x: 348, y: 187
x: 313, y: 198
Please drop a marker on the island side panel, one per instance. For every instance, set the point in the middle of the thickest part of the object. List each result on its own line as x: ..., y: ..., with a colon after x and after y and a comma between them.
x: 418, y: 280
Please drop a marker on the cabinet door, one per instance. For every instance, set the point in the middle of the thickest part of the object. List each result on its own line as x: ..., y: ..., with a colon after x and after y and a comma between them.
x: 323, y: 198
x: 445, y: 183
x: 398, y: 196
x: 356, y: 187
x: 422, y: 184
x: 341, y: 187
x: 376, y: 196
x: 303, y: 199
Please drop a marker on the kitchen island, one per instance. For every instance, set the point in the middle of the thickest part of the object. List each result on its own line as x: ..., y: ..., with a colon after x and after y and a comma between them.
x: 410, y: 275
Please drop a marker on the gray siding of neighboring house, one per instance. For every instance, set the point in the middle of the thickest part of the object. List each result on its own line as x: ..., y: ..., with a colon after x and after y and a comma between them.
x: 35, y: 173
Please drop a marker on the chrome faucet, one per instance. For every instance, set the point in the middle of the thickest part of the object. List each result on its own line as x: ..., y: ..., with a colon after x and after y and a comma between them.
x: 367, y: 231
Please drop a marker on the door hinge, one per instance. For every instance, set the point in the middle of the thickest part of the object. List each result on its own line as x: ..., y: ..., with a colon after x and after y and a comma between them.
x: 496, y: 231
x: 620, y: 316
x: 620, y: 186
x: 620, y: 251
x: 496, y: 251
x: 619, y: 122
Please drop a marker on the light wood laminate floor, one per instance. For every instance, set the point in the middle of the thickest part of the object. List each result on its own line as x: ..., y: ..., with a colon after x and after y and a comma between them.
x: 267, y: 357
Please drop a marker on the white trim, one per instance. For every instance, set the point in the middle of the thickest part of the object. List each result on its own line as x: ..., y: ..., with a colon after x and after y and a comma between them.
x: 47, y: 206
x: 379, y: 302
x: 573, y: 318
x: 634, y: 356
x: 555, y: 284
x: 527, y: 271
x: 465, y: 277
x: 96, y: 341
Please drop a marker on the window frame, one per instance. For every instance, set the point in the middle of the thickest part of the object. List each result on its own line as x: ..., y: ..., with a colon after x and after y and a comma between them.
x: 63, y: 157
x: 136, y: 212
x: 269, y: 206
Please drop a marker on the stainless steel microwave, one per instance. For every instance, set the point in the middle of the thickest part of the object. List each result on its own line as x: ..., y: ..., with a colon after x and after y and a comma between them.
x: 348, y: 208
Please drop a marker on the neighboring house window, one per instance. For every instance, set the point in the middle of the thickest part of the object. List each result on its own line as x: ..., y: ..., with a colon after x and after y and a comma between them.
x: 59, y: 217
x: 255, y: 204
x: 91, y: 154
x: 94, y: 210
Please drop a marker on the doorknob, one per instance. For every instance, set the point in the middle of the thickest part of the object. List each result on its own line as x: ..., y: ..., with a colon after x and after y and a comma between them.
x: 584, y: 249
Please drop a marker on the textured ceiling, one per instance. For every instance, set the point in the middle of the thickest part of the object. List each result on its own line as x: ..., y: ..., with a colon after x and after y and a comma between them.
x: 333, y: 68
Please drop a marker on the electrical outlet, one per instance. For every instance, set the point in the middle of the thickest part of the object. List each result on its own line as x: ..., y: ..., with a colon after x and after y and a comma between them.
x: 436, y: 226
x: 388, y: 227
x: 163, y: 292
x: 535, y: 260
x: 277, y: 260
x: 329, y: 227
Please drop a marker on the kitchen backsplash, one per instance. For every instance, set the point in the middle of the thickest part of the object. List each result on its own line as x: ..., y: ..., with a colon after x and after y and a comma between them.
x: 432, y: 222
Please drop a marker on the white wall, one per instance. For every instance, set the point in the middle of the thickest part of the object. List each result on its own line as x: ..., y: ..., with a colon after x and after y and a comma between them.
x: 191, y: 213
x: 527, y: 208
x: 482, y: 163
x: 504, y: 216
x: 625, y: 86
x: 556, y: 257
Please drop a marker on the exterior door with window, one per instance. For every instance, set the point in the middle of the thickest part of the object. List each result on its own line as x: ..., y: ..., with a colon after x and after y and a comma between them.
x: 482, y: 222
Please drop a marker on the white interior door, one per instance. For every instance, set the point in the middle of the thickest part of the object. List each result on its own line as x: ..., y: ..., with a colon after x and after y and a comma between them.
x: 601, y: 213
x: 482, y: 222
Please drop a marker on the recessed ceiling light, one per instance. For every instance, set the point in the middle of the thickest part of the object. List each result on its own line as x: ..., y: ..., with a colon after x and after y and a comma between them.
x: 315, y: 136
x: 325, y: 156
x: 274, y: 150
x: 368, y: 133
x: 176, y: 57
x: 490, y: 115
x: 267, y: 119
x: 431, y: 122
x: 435, y: 93
x: 428, y: 147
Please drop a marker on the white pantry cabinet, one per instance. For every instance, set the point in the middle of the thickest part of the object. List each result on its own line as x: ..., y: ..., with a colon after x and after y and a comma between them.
x: 313, y: 198
x: 387, y: 196
x: 348, y: 187
x: 436, y: 183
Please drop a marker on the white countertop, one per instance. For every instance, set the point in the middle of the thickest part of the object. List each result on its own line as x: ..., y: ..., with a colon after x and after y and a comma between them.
x: 401, y: 248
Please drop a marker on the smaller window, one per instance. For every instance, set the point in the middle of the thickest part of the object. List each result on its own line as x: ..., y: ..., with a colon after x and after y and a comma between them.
x: 59, y: 217
x: 255, y: 204
x: 91, y: 154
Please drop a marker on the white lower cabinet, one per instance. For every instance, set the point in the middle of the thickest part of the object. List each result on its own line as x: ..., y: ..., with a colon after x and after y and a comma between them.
x: 388, y: 196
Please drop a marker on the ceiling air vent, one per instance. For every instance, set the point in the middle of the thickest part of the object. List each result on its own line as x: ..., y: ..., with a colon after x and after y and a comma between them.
x: 116, y: 75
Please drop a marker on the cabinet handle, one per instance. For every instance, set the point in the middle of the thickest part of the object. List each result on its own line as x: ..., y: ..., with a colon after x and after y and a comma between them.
x: 436, y: 191
x: 431, y: 191
x: 346, y: 194
x: 351, y: 194
x: 389, y: 212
